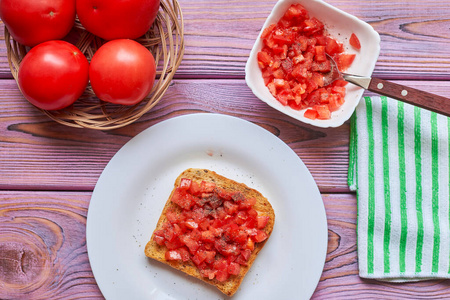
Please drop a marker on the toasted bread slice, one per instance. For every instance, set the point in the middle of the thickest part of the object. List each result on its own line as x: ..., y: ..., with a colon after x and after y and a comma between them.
x: 262, y: 206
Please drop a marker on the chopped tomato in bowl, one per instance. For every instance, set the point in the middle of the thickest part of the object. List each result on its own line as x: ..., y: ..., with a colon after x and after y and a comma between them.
x: 286, y: 66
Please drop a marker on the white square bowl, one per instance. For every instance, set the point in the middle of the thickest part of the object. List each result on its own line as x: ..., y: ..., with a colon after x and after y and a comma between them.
x: 338, y: 24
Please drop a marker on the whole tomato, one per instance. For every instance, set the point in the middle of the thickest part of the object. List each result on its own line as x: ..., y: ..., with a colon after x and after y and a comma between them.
x: 117, y: 19
x: 53, y: 75
x: 31, y: 22
x: 122, y: 71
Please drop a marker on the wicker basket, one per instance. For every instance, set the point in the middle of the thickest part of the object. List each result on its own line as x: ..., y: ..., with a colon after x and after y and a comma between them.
x: 165, y: 40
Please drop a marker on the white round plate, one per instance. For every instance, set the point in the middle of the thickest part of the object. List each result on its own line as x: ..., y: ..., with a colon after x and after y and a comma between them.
x: 133, y: 188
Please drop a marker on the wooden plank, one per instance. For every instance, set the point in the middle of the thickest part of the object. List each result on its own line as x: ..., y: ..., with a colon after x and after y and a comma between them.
x: 219, y: 35
x: 37, y: 153
x: 43, y: 251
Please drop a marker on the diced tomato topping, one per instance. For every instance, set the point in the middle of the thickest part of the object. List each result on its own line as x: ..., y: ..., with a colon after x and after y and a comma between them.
x: 262, y: 221
x: 230, y: 207
x: 182, y: 198
x: 333, y: 47
x: 222, y: 275
x: 192, y: 244
x: 333, y: 102
x: 267, y: 31
x: 185, y: 183
x: 320, y: 54
x: 194, y: 188
x: 220, y: 264
x: 247, y: 203
x: 296, y: 12
x: 260, y: 236
x: 234, y: 268
x: 311, y: 114
x: 210, y: 256
x: 207, y: 187
x: 184, y: 253
x: 246, y: 254
x: 340, y: 83
x: 313, y: 25
x: 159, y: 240
x: 344, y: 61
x: 250, y: 244
x: 191, y: 224
x: 240, y: 237
x: 354, y: 42
x: 224, y: 194
x: 208, y: 236
x: 240, y: 260
x: 216, y: 229
x: 174, y: 244
x: 323, y: 111
x: 207, y: 273
x: 293, y: 61
x: 172, y: 255
x: 323, y: 66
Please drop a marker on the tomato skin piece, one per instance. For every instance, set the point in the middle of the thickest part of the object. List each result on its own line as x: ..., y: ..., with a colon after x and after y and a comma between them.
x: 207, y: 187
x: 53, y: 75
x: 159, y: 240
x: 122, y: 72
x: 320, y: 53
x: 344, y: 61
x: 265, y: 58
x: 260, y: 236
x: 185, y: 183
x: 354, y: 42
x: 333, y: 47
x: 323, y: 111
x: 194, y: 188
x: 262, y: 221
x: 119, y: 19
x: 234, y: 268
x: 311, y: 114
x: 172, y: 255
x: 32, y: 22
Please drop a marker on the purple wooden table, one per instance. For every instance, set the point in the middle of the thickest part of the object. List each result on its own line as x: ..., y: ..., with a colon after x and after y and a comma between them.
x: 48, y: 171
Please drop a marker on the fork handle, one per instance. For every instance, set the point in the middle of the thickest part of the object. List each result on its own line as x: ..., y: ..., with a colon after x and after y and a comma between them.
x: 412, y: 96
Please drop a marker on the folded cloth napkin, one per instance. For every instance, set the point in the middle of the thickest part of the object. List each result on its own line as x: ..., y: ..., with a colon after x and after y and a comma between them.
x: 399, y: 168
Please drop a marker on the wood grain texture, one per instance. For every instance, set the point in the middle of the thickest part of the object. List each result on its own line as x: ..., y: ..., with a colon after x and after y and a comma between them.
x: 43, y: 251
x: 219, y: 35
x: 37, y: 153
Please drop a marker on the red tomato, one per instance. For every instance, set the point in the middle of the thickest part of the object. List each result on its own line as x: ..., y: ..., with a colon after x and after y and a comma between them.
x: 117, y: 19
x: 31, y: 22
x: 354, y: 41
x: 53, y: 75
x: 122, y: 72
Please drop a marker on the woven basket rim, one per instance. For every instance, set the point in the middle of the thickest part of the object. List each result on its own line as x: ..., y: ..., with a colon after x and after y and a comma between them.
x: 165, y: 40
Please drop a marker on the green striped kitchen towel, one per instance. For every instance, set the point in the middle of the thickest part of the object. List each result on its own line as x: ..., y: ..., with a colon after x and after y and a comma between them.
x: 399, y: 168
